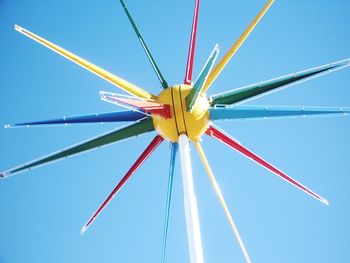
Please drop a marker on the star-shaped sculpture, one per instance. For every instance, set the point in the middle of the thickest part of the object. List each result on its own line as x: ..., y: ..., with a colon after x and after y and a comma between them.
x: 179, y: 114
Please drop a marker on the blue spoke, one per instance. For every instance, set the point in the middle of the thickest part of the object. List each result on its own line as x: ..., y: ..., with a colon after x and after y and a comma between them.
x: 264, y: 112
x: 122, y: 116
x: 174, y: 147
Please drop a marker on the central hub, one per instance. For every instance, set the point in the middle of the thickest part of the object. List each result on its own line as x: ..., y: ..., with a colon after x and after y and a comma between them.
x: 193, y: 123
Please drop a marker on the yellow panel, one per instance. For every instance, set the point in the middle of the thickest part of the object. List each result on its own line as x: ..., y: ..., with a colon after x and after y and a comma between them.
x: 194, y: 123
x: 179, y: 115
x: 197, y: 121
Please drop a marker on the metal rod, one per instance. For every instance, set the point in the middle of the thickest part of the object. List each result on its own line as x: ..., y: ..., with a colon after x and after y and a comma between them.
x: 222, y: 200
x: 174, y: 147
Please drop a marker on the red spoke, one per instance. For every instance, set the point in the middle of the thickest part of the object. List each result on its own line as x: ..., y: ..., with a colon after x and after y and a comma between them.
x: 152, y: 107
x: 191, y: 50
x: 146, y: 153
x: 213, y: 132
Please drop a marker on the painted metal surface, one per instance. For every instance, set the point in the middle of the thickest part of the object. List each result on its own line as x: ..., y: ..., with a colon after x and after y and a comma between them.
x: 108, y: 138
x: 222, y: 200
x: 190, y: 203
x: 221, y: 136
x: 187, y: 120
x: 174, y: 148
x: 223, y: 62
x: 162, y: 110
x: 193, y: 123
x: 263, y: 88
x: 121, y: 116
x: 191, y: 98
x: 146, y: 153
x: 115, y: 80
x: 144, y: 46
x: 248, y: 112
x: 192, y: 47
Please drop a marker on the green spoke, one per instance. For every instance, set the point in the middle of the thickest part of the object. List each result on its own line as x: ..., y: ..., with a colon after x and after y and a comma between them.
x: 140, y: 127
x: 264, y: 88
x: 144, y: 46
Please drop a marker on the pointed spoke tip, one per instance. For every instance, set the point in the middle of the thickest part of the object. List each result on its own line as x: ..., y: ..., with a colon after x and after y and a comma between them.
x: 324, y: 201
x: 18, y: 28
x: 230, y: 142
x: 82, y: 230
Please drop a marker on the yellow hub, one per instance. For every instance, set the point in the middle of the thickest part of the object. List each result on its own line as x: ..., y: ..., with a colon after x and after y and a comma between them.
x: 194, y: 123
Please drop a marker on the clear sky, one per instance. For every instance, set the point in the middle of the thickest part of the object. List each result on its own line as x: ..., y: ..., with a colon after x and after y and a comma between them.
x: 42, y: 211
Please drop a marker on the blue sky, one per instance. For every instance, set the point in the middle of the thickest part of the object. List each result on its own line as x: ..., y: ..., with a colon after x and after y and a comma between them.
x: 43, y: 210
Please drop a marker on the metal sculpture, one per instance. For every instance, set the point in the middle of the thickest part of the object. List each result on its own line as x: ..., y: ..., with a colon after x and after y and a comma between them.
x: 179, y: 114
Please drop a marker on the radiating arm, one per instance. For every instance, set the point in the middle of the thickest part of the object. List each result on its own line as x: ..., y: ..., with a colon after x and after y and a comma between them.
x: 122, y: 116
x: 151, y: 107
x: 247, y: 112
x: 197, y: 87
x: 221, y: 136
x: 104, y: 139
x: 222, y: 200
x: 146, y: 153
x: 144, y: 46
x: 174, y: 147
x: 192, y: 47
x: 266, y: 87
x: 115, y: 80
x: 220, y: 66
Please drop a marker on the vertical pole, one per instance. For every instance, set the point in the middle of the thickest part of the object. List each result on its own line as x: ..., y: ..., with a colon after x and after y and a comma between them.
x: 190, y: 203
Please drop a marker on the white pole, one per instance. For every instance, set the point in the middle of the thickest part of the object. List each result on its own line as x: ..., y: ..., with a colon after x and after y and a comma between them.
x: 190, y: 203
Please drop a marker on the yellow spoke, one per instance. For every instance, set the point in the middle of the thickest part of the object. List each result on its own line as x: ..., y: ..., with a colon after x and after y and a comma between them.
x: 220, y: 66
x: 115, y: 80
x: 221, y: 199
